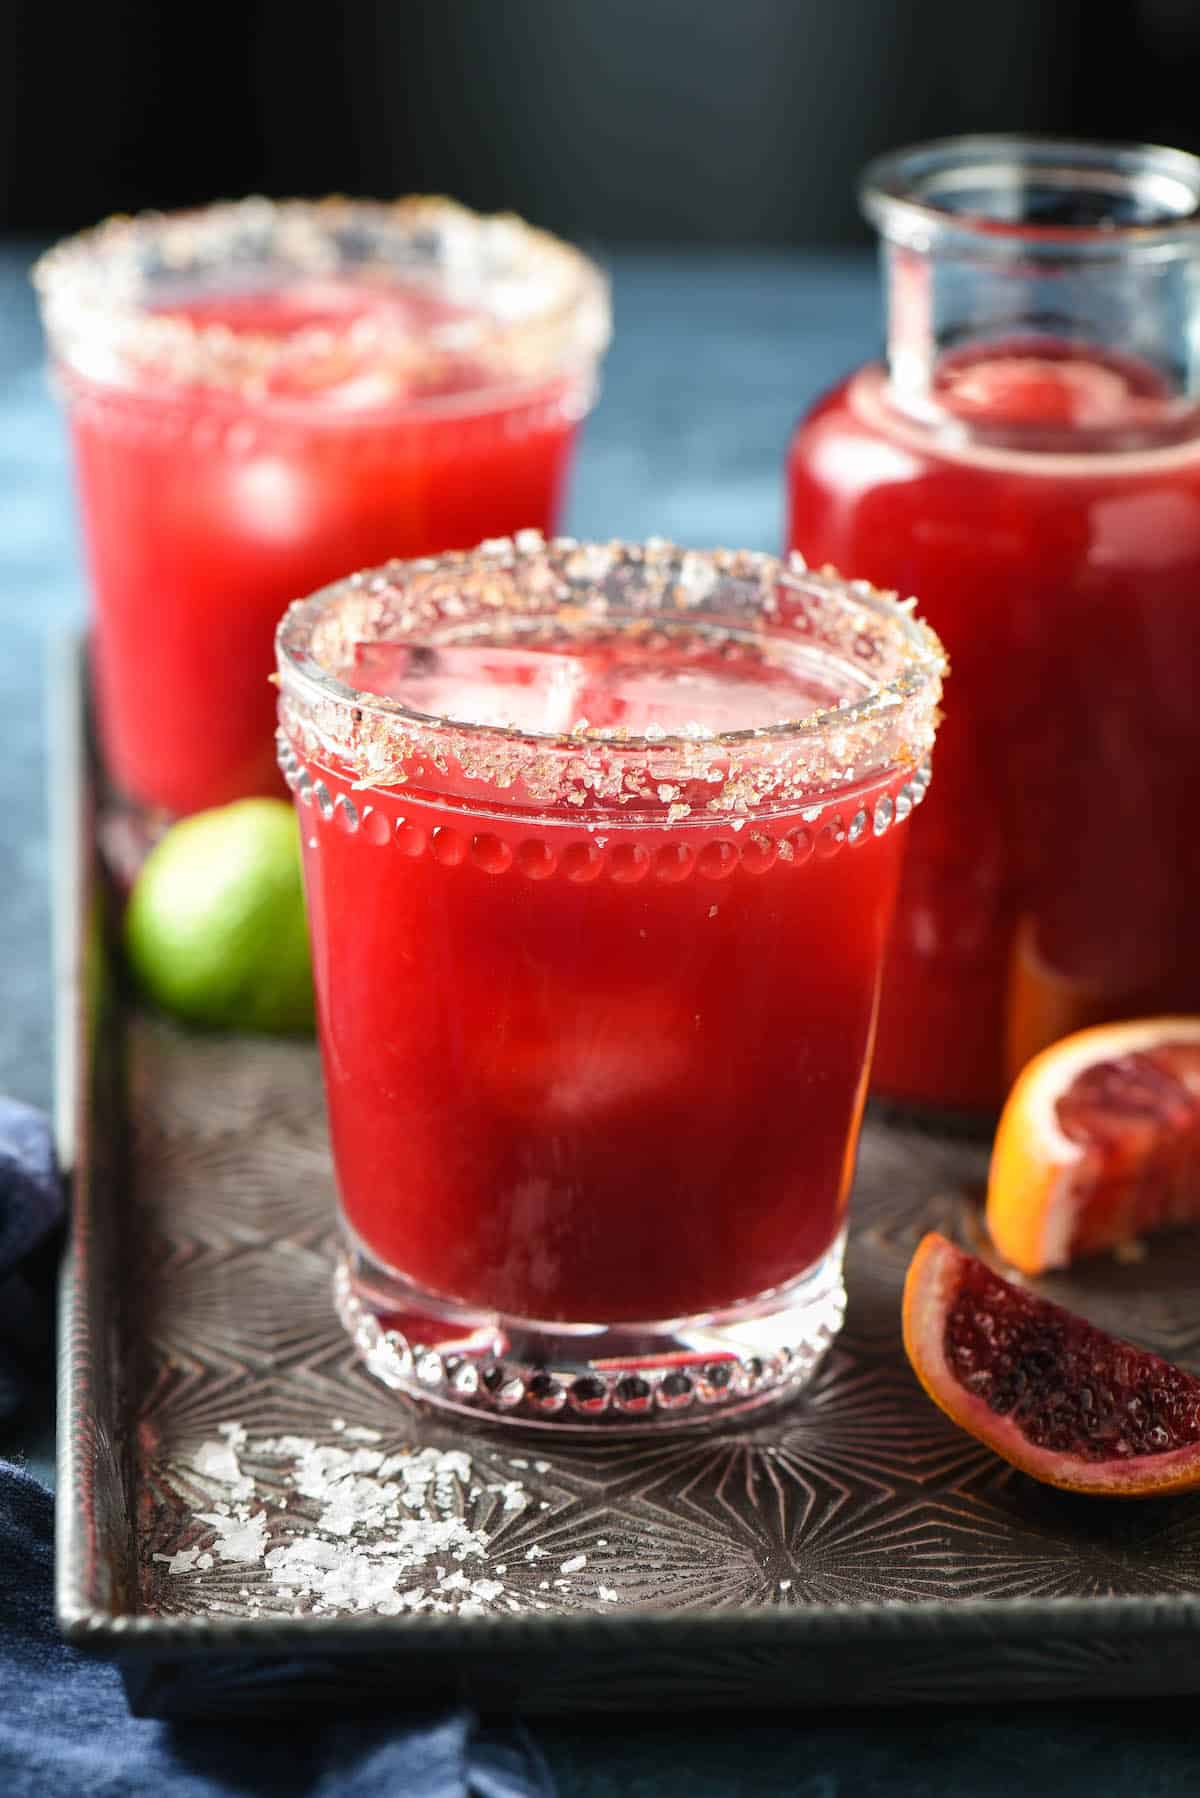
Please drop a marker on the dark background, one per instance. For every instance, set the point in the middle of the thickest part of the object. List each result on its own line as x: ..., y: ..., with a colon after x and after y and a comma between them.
x: 673, y: 121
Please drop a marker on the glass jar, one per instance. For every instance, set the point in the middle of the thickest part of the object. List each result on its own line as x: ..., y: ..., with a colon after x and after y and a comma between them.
x: 1027, y: 460
x: 600, y: 848
x: 265, y: 395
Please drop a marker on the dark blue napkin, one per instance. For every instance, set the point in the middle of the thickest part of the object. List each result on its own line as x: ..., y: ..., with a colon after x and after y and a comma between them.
x: 65, y: 1727
x: 31, y: 1207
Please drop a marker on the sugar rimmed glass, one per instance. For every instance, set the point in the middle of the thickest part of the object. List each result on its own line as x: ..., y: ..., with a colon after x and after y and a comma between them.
x: 601, y: 844
x: 263, y: 395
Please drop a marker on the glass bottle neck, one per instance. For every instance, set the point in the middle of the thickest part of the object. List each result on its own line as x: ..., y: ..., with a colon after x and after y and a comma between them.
x: 1044, y: 295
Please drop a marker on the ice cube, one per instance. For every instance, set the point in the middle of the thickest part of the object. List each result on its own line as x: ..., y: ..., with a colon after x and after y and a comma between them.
x: 668, y: 700
x: 522, y: 687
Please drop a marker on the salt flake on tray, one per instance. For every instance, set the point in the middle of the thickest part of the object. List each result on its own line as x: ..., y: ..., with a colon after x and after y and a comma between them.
x: 185, y: 1559
x: 219, y: 1460
x: 346, y: 1526
x: 238, y: 1538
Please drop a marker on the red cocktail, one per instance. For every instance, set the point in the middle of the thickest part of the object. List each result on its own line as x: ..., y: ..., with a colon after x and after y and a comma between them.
x: 1029, y: 464
x: 601, y: 848
x: 263, y: 397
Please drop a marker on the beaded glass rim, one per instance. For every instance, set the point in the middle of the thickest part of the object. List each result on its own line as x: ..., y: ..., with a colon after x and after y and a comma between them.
x: 381, y: 742
x: 907, y: 195
x: 536, y: 307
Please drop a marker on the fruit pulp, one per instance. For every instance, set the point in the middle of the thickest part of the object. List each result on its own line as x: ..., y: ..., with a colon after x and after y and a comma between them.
x: 1050, y: 525
x: 1049, y: 1391
x: 609, y: 1074
x: 206, y: 510
x: 1099, y: 1144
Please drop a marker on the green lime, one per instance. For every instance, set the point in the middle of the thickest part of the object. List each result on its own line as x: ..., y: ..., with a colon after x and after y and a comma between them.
x: 215, y: 931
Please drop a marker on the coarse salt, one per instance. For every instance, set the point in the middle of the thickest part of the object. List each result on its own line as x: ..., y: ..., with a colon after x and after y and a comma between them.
x: 362, y: 1529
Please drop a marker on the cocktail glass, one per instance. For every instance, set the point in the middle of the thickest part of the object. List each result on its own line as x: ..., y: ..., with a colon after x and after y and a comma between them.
x: 601, y: 844
x: 265, y: 396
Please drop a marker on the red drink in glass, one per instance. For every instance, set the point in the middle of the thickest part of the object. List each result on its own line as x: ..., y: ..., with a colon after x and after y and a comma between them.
x: 264, y: 397
x: 597, y: 925
x: 1040, y: 490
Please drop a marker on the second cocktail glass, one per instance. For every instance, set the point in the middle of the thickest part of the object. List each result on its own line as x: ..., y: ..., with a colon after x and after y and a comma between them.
x: 601, y: 845
x: 263, y: 396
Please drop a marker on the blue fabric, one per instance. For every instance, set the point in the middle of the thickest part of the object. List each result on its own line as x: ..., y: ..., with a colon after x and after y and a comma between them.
x: 65, y: 1727
x: 31, y: 1206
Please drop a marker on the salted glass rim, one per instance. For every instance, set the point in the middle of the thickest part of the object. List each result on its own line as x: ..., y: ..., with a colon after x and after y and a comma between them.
x: 95, y: 289
x: 904, y: 194
x: 916, y: 681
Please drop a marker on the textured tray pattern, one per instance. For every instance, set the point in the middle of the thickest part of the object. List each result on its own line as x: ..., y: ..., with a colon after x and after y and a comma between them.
x: 853, y: 1545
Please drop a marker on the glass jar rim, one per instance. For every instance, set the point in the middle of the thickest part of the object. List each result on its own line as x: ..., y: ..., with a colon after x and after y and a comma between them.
x: 889, y: 725
x: 539, y: 308
x: 906, y: 195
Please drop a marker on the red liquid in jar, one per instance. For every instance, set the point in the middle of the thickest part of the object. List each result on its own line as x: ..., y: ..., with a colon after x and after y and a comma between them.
x: 1053, y: 539
x: 594, y: 1075
x: 206, y: 511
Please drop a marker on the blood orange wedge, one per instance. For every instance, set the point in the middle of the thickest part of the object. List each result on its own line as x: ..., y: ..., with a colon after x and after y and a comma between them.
x: 1044, y: 1388
x: 1098, y: 1144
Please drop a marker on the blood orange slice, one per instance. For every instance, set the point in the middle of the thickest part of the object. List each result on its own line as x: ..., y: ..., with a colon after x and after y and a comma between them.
x: 1048, y: 1391
x: 1098, y: 1144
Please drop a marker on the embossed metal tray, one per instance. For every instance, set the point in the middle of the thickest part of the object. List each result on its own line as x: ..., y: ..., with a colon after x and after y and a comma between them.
x: 853, y: 1547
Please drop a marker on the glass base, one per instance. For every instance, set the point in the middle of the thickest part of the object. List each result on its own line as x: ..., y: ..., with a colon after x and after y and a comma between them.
x: 584, y: 1377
